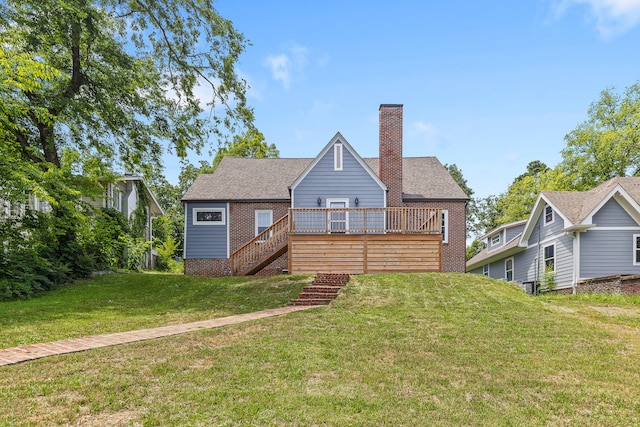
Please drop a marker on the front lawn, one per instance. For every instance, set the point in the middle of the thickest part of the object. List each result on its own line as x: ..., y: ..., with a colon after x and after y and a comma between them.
x: 392, y: 350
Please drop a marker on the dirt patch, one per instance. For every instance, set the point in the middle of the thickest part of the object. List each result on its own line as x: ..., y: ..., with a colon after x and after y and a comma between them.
x: 617, y: 311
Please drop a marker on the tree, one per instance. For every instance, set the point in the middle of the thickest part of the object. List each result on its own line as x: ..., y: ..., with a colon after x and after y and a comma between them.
x: 250, y: 144
x: 607, y: 144
x: 456, y: 174
x: 517, y: 203
x: 127, y: 73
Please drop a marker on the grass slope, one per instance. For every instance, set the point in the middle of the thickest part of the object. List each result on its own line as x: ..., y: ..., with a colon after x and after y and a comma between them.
x: 407, y: 349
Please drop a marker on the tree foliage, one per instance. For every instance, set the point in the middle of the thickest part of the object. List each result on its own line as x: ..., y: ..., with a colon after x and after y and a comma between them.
x: 607, y: 144
x: 125, y: 78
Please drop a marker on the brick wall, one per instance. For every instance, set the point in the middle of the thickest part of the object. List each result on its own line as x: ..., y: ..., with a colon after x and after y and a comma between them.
x: 242, y: 228
x: 390, y: 166
x: 454, y: 251
x: 621, y: 284
x: 211, y: 267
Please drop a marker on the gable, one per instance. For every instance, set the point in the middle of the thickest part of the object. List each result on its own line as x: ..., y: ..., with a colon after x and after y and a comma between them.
x: 338, y: 172
x: 611, y: 214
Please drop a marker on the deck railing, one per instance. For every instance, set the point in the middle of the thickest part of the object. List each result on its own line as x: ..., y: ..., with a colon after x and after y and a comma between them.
x: 365, y: 220
x: 260, y: 247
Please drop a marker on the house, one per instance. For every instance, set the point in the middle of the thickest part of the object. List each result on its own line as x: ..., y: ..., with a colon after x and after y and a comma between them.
x: 126, y: 195
x: 581, y: 239
x: 335, y: 213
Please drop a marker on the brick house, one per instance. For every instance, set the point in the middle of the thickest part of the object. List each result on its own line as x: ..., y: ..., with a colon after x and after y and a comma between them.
x: 336, y: 212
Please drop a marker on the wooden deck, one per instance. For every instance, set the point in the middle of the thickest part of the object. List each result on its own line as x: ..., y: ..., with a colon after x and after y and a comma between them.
x: 350, y: 241
x: 364, y: 253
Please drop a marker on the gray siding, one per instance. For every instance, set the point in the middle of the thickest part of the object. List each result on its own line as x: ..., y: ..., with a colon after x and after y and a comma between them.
x: 513, y: 232
x: 491, y: 247
x: 205, y: 241
x: 325, y: 182
x: 607, y: 252
x: 613, y: 215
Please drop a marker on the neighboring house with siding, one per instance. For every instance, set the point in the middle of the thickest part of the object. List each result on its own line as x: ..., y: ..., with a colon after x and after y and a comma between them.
x: 327, y: 203
x: 124, y: 195
x: 579, y: 236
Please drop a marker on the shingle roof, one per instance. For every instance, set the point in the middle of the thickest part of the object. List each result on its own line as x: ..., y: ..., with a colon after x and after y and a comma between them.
x: 576, y: 206
x: 269, y: 179
x: 484, y: 256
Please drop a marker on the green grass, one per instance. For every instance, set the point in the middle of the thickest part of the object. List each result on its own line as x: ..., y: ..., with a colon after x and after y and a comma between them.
x: 400, y: 350
x: 122, y: 302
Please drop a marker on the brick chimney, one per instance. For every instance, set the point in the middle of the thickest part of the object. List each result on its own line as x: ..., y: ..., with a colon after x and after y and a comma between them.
x: 391, y: 152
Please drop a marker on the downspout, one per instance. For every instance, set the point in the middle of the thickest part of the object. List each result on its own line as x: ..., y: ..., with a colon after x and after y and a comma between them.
x: 575, y: 235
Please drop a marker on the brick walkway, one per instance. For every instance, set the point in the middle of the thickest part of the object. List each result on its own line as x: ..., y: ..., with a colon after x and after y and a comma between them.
x: 23, y: 353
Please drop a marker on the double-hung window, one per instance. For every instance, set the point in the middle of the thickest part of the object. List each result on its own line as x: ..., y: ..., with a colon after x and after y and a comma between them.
x: 264, y: 219
x: 550, y: 257
x: 548, y: 215
x: 485, y: 269
x: 636, y: 249
x: 445, y: 226
x: 508, y: 270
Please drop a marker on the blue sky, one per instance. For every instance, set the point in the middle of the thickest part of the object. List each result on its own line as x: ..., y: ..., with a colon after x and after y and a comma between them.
x: 487, y: 85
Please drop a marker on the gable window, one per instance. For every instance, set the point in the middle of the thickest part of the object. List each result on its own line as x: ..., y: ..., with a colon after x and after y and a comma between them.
x: 548, y: 215
x: 508, y: 270
x: 495, y: 239
x: 550, y: 257
x: 337, y: 157
x: 485, y: 269
x: 636, y: 249
x: 208, y: 216
x: 445, y: 226
x: 264, y: 219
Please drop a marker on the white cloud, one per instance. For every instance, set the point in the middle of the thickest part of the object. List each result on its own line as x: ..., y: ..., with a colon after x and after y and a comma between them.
x: 426, y: 133
x: 289, y: 66
x: 611, y: 17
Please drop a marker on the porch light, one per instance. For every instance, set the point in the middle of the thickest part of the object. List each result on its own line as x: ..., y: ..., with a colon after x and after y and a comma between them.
x: 357, y: 201
x: 319, y: 201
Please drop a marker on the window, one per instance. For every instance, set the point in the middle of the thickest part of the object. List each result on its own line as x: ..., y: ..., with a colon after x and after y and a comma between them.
x: 337, y: 157
x: 264, y: 219
x: 550, y: 257
x: 445, y: 226
x: 485, y: 269
x: 495, y: 239
x: 548, y: 215
x: 508, y: 270
x: 208, y: 216
x: 636, y: 249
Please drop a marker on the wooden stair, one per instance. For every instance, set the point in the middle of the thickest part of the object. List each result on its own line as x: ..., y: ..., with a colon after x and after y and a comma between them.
x: 262, y: 249
x: 322, y: 291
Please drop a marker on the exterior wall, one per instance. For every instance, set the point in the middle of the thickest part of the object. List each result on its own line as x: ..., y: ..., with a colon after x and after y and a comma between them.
x: 613, y: 215
x: 607, y: 252
x: 208, y: 267
x: 242, y: 220
x: 205, y: 241
x: 391, y: 152
x: 455, y: 250
x: 350, y: 182
x: 619, y: 284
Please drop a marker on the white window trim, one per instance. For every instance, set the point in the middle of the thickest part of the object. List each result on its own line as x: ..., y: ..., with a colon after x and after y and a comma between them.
x: 338, y: 157
x: 195, y: 216
x: 544, y: 259
x: 544, y: 213
x: 487, y: 272
x: 635, y: 249
x: 445, y: 219
x: 513, y: 269
x: 257, y: 214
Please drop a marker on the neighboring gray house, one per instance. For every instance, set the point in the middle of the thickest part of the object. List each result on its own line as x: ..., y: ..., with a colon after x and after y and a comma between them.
x: 579, y: 236
x: 336, y: 197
